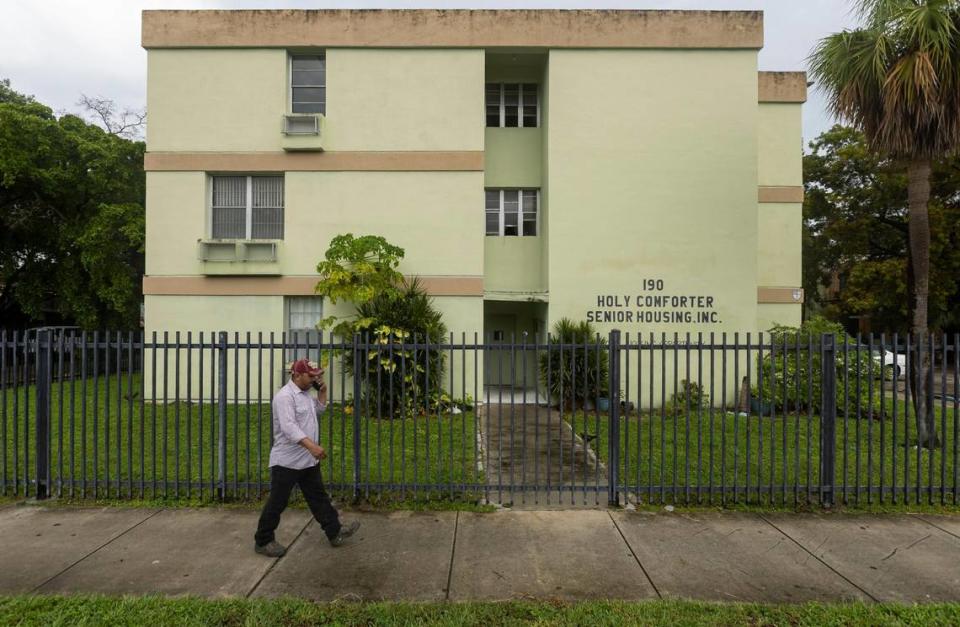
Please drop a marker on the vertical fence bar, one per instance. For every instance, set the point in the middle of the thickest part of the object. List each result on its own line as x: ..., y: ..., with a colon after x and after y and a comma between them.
x: 893, y: 429
x: 143, y: 408
x: 749, y: 418
x: 236, y: 414
x: 760, y: 416
x: 259, y: 474
x: 222, y: 415
x: 42, y: 412
x: 176, y: 415
x: 700, y: 418
x: 883, y: 412
x: 956, y: 414
x: 73, y: 404
x: 3, y: 411
x: 943, y: 419
x: 549, y: 390
x: 106, y: 412
x: 26, y: 414
x: 828, y: 412
x: 723, y: 415
x: 61, y: 399
x: 15, y: 444
x: 130, y: 366
x: 687, y: 392
x: 736, y: 415
x: 870, y: 349
x: 118, y: 373
x: 357, y: 359
x: 189, y: 442
x: 907, y: 403
x: 613, y: 441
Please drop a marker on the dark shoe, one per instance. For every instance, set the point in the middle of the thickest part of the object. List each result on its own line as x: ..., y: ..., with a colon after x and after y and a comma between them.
x: 270, y: 549
x: 344, y: 533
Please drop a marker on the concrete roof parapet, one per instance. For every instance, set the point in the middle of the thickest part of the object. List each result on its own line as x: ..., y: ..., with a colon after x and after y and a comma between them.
x: 548, y: 28
x: 782, y: 87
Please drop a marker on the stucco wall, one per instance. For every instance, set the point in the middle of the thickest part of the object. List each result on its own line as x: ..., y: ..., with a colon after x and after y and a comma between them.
x: 378, y: 100
x: 653, y: 175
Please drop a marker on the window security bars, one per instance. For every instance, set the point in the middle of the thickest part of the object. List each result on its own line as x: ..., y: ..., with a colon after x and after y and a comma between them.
x: 511, y: 105
x: 711, y: 419
x: 247, y: 207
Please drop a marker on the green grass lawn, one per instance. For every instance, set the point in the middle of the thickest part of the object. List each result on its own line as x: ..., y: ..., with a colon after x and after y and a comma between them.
x: 773, y: 460
x: 176, y: 445
x: 101, y: 610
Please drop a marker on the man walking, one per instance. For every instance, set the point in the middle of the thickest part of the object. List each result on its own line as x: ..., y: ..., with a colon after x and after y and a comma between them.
x: 295, y: 457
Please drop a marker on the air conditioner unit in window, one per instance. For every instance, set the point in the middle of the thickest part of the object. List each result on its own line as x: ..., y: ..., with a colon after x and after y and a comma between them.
x: 301, y: 124
x: 303, y: 132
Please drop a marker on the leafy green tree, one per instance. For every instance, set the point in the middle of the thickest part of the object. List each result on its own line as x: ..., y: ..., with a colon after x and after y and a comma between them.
x: 855, y: 224
x: 358, y: 270
x: 71, y: 219
x: 898, y: 80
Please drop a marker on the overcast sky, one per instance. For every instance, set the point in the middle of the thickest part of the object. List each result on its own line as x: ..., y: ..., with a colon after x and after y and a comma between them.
x: 57, y: 50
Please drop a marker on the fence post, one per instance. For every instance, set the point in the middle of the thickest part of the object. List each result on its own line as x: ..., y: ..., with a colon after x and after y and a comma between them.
x: 359, y: 365
x: 828, y: 416
x: 42, y: 413
x: 222, y: 414
x: 613, y: 441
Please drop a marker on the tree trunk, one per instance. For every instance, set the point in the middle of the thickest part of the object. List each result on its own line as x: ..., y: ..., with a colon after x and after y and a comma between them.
x: 918, y: 195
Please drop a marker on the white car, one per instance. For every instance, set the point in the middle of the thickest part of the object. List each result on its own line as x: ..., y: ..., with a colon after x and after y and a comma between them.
x: 894, y: 364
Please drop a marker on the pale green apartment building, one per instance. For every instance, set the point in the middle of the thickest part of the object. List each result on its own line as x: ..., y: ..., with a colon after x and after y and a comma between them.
x: 629, y: 167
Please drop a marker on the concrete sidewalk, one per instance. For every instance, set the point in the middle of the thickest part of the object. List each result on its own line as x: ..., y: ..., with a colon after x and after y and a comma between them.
x: 435, y: 556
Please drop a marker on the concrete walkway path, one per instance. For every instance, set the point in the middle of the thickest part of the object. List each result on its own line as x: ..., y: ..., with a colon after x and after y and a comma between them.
x: 435, y: 556
x: 532, y: 445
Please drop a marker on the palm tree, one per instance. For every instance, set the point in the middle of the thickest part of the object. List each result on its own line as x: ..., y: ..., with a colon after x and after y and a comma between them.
x: 898, y: 80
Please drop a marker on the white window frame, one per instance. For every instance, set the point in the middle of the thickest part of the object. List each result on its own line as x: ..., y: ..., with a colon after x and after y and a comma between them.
x: 290, y: 57
x: 248, y: 213
x: 295, y: 350
x: 503, y: 106
x: 520, y: 212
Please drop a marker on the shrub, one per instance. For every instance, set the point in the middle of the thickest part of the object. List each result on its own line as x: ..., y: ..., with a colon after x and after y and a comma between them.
x: 395, y: 374
x: 780, y: 381
x: 690, y: 396
x: 570, y: 366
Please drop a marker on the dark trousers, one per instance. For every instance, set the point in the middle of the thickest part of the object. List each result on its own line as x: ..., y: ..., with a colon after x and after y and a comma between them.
x: 282, y: 481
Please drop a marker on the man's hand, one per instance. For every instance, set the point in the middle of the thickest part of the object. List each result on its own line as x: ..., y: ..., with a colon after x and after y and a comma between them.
x: 317, y: 451
x: 313, y: 448
x: 322, y: 391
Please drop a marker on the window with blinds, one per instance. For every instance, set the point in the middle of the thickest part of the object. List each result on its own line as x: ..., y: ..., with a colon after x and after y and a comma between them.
x: 512, y: 212
x: 303, y: 314
x: 512, y: 105
x: 308, y: 84
x: 247, y: 207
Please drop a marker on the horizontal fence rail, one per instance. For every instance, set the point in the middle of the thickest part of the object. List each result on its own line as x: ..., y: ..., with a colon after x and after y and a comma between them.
x: 706, y: 419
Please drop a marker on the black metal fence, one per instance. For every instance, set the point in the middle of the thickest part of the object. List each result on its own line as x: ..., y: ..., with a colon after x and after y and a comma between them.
x: 644, y: 418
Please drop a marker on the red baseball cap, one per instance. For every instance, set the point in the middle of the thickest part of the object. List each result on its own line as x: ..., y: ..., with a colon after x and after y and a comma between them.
x: 305, y: 366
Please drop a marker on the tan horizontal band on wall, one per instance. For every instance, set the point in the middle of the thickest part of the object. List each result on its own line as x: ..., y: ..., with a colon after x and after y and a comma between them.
x: 779, y: 295
x: 782, y: 86
x: 792, y: 193
x: 463, y: 161
x: 453, y: 28
x: 286, y: 286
